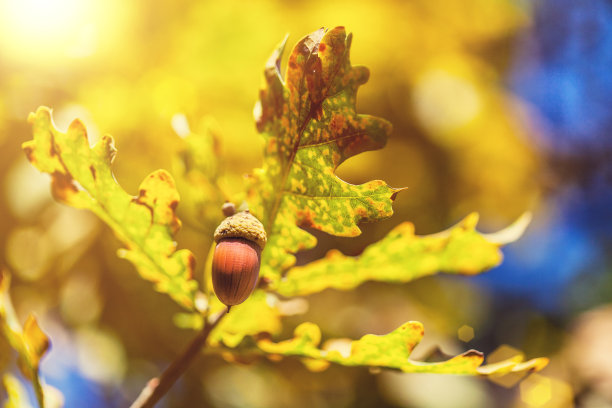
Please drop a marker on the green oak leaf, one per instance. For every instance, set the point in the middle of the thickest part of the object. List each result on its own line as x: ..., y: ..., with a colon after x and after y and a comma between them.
x: 30, y: 342
x: 82, y: 178
x: 197, y: 174
x: 391, y: 350
x: 310, y: 126
x: 399, y: 257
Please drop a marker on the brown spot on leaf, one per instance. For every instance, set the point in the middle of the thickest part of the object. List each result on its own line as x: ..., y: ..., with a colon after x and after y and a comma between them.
x: 272, y: 145
x: 361, y: 212
x: 263, y: 336
x: 52, y: 151
x: 62, y: 186
x: 306, y: 219
x: 314, y: 80
x: 192, y: 264
x: 322, y: 47
x: 414, y: 326
x: 92, y: 169
x: 292, y: 64
x: 173, y: 204
x: 336, y: 158
x: 472, y: 353
x: 162, y: 175
x: 139, y: 200
x: 337, y: 124
x: 29, y: 151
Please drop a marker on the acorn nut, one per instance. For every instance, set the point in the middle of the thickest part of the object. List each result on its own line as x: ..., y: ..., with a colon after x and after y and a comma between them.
x: 240, y: 239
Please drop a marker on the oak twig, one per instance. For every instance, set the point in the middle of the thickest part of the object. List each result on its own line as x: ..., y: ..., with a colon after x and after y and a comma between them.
x: 157, y: 387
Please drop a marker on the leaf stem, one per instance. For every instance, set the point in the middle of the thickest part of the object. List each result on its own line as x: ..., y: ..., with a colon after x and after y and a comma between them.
x: 157, y: 387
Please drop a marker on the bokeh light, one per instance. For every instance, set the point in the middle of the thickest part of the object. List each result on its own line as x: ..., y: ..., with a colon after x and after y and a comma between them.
x: 465, y: 333
x: 45, y: 31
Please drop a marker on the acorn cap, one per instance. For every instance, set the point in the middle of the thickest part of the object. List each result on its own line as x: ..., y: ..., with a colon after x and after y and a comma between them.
x: 242, y: 225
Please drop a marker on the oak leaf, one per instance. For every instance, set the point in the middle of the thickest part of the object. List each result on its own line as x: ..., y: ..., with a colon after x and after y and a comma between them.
x: 401, y: 256
x: 81, y: 177
x: 391, y: 350
x: 310, y: 126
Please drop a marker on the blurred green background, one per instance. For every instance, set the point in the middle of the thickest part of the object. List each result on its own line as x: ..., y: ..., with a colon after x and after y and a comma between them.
x: 498, y: 106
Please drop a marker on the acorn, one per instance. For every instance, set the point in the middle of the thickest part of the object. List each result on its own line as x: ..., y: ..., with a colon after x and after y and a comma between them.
x: 240, y: 239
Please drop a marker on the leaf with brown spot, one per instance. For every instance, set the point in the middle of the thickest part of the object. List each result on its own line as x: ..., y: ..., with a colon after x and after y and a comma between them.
x: 391, y: 350
x: 146, y: 224
x: 310, y: 125
x: 399, y: 257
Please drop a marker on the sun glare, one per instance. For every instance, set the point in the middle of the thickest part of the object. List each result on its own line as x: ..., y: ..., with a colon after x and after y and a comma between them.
x: 36, y: 30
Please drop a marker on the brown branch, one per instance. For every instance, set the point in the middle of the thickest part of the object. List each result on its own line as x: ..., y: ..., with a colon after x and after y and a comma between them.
x: 157, y: 387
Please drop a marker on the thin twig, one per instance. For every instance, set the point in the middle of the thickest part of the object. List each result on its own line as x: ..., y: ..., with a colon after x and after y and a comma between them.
x: 157, y: 387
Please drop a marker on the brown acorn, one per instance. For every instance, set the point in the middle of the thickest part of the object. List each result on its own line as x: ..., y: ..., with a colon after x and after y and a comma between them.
x: 240, y: 239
